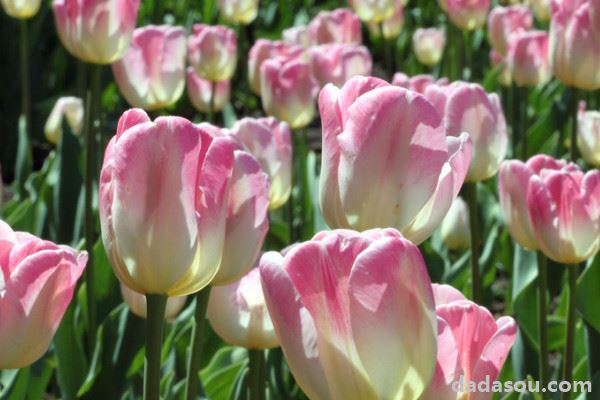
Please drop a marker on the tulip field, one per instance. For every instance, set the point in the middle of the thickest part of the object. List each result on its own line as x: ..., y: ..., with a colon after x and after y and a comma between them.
x: 288, y: 200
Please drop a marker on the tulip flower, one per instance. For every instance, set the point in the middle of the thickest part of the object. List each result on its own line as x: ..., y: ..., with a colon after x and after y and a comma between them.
x: 288, y: 91
x: 97, y: 32
x: 467, y: 14
x: 588, y: 136
x: 263, y: 50
x: 354, y: 313
x: 372, y: 152
x: 239, y: 11
x: 199, y: 91
x: 541, y: 9
x: 428, y: 45
x: 137, y: 303
x: 528, y: 58
x: 37, y: 281
x: 238, y: 314
x: 472, y: 346
x: 164, y: 191
x: 575, y: 45
x: 337, y: 26
x: 455, y: 231
x: 21, y: 9
x: 336, y: 63
x: 297, y: 35
x: 212, y: 51
x: 418, y: 83
x: 151, y: 74
x: 392, y: 26
x: 373, y: 11
x: 497, y: 61
x: 503, y: 22
x: 70, y: 108
x: 269, y: 141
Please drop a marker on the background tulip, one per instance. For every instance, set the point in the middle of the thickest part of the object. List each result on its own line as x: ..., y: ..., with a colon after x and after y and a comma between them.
x: 373, y: 11
x: 354, y: 314
x: 392, y: 26
x: 151, y: 74
x: 70, y: 108
x: 21, y: 9
x: 528, y: 58
x: 372, y: 152
x: 137, y: 303
x: 263, y: 50
x: 94, y: 31
x: 288, y: 91
x: 37, y: 281
x: 163, y: 203
x: 337, y: 26
x: 297, y: 35
x: 428, y: 45
x: 212, y: 51
x: 467, y: 14
x: 270, y: 142
x: 239, y: 11
x: 497, y: 61
x: 455, y: 231
x: 418, y: 83
x: 503, y: 22
x: 541, y: 9
x: 336, y: 63
x: 238, y: 313
x: 588, y: 136
x: 199, y: 92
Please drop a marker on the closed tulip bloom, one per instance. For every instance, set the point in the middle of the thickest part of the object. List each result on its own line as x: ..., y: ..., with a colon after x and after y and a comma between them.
x: 164, y: 190
x: 151, y: 74
x: 541, y: 9
x: 288, y: 91
x: 270, y: 142
x: 137, y: 303
x: 297, y: 35
x: 337, y: 26
x: 455, y: 231
x: 378, y: 140
x: 418, y: 83
x: 503, y: 22
x: 564, y: 211
x: 238, y: 313
x: 575, y: 45
x: 374, y: 11
x: 95, y: 31
x: 467, y: 14
x: 392, y: 26
x: 37, y: 281
x: 69, y: 108
x: 528, y: 58
x: 239, y: 11
x: 428, y: 45
x: 263, y: 50
x: 21, y: 9
x: 471, y: 345
x: 588, y: 136
x: 354, y: 313
x: 336, y: 63
x: 212, y: 51
x: 199, y: 92
x: 497, y: 61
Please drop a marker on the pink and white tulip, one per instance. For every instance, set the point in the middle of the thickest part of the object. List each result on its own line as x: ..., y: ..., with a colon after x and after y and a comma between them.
x: 37, y: 281
x: 503, y: 22
x: 528, y: 58
x: 164, y: 190
x: 588, y: 136
x: 428, y: 45
x: 263, y: 50
x: 379, y: 139
x: 97, y: 32
x: 297, y: 35
x: 151, y: 74
x: 418, y: 83
x: 336, y: 63
x: 239, y: 11
x: 467, y: 14
x: 137, y: 303
x: 455, y: 230
x: 392, y: 26
x: 69, y: 108
x: 337, y: 26
x: 212, y: 51
x: 199, y: 92
x: 374, y: 11
x: 343, y: 302
x: 21, y: 9
x: 542, y: 9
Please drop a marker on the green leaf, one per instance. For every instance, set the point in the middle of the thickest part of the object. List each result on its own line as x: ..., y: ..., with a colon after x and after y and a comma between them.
x: 220, y: 376
x: 24, y: 161
x: 588, y: 288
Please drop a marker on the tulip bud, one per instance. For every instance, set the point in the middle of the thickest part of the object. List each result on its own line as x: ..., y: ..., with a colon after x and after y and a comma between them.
x: 588, y: 136
x: 288, y: 91
x: 212, y: 51
x: 373, y: 11
x: 137, y: 303
x: 455, y: 231
x: 297, y: 35
x: 94, y: 31
x: 428, y: 45
x: 270, y: 142
x: 238, y: 314
x: 503, y: 22
x: 528, y: 58
x: 37, y: 281
x: 164, y: 190
x: 199, y: 91
x: 337, y: 26
x: 263, y: 50
x: 340, y: 305
x: 541, y: 9
x: 467, y: 14
x: 336, y: 63
x: 70, y: 108
x: 418, y: 83
x: 241, y: 12
x: 21, y: 9
x: 392, y: 26
x: 367, y: 134
x: 497, y: 61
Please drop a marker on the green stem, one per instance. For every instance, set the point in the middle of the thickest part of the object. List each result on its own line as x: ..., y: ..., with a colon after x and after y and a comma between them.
x: 515, y: 117
x: 25, y: 84
x: 156, y: 12
x: 211, y: 103
x: 192, y: 379
x: 570, y: 329
x: 542, y: 318
x: 471, y: 188
x: 523, y: 96
x: 258, y: 374
x: 387, y: 52
x: 467, y: 72
x: 156, y: 304
x: 574, y: 111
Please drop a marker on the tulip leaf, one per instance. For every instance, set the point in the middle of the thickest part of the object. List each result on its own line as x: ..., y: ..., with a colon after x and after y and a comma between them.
x: 220, y: 376
x: 588, y: 286
x: 24, y: 161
